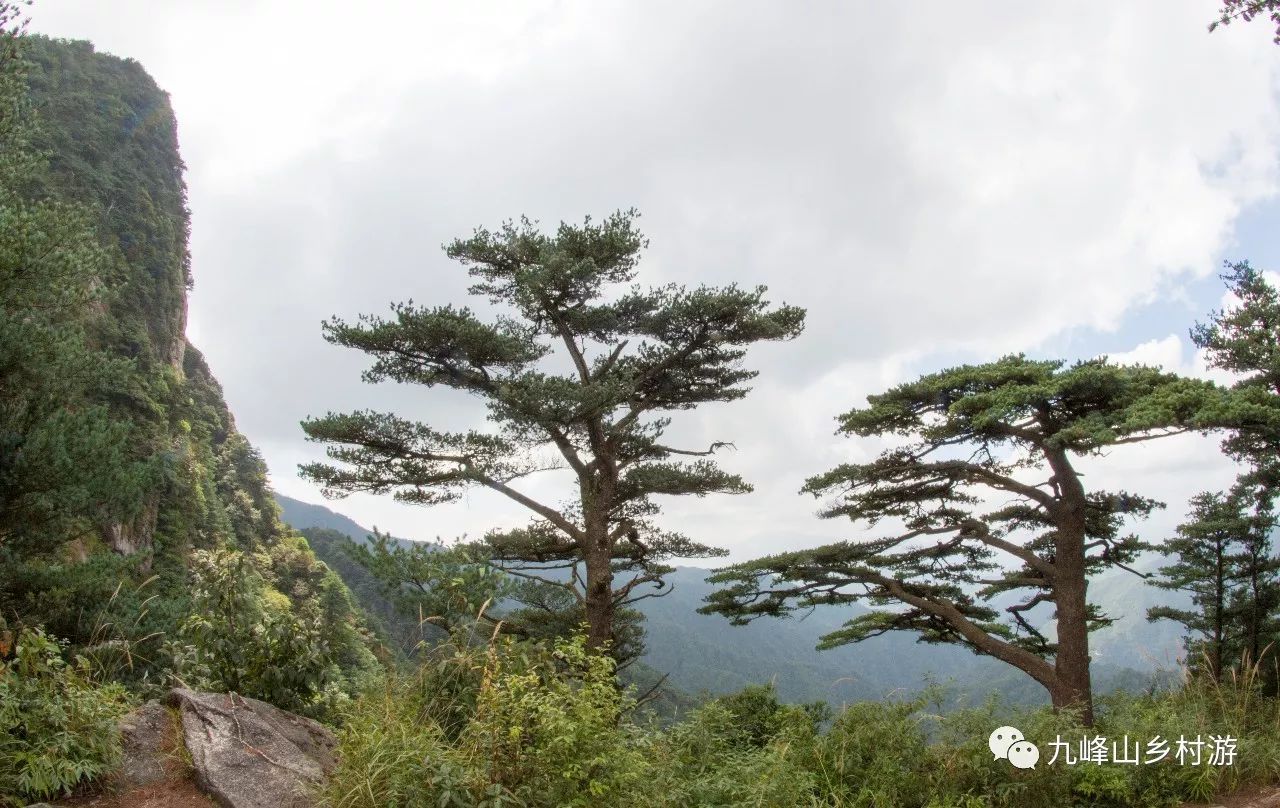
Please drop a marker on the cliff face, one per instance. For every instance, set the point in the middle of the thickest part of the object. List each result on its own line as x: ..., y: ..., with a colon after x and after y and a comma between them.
x: 109, y: 138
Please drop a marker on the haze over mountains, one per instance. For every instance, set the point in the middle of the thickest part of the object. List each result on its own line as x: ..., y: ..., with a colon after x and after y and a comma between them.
x: 704, y: 653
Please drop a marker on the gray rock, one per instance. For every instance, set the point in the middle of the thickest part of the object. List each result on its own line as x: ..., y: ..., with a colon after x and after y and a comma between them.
x: 248, y: 754
x: 147, y: 733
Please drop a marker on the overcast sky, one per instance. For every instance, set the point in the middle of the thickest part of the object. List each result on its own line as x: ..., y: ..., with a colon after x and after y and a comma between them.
x: 936, y: 182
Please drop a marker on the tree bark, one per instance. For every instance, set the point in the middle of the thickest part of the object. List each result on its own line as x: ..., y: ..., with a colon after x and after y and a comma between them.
x: 599, y: 600
x: 1073, y: 687
x: 598, y: 555
x: 598, y: 491
x: 1219, y: 607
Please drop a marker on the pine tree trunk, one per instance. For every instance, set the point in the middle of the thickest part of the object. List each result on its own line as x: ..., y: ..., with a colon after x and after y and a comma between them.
x: 597, y: 497
x: 599, y: 600
x: 1219, y: 614
x: 1073, y: 688
x: 1252, y: 608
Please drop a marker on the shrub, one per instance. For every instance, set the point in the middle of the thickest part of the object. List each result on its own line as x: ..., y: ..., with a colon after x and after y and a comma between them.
x: 548, y: 728
x: 514, y: 724
x: 246, y: 637
x: 737, y: 750
x: 57, y: 729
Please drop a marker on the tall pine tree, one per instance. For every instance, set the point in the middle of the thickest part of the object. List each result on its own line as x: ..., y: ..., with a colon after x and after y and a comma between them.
x: 1244, y: 338
x: 982, y: 500
x: 633, y: 356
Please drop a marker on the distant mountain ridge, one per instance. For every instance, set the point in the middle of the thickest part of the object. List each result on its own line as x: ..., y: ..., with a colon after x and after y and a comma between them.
x: 704, y: 653
x: 303, y: 515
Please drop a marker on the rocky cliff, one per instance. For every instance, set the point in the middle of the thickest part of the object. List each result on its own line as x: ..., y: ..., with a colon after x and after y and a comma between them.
x: 108, y: 140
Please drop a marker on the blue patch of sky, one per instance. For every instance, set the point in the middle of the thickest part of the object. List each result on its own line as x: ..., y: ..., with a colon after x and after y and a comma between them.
x: 1185, y: 299
x: 1189, y: 297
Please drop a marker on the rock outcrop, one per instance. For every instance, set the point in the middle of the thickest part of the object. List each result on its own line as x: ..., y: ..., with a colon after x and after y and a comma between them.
x: 147, y: 736
x: 248, y: 754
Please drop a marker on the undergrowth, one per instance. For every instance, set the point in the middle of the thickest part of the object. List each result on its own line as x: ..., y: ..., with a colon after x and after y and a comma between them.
x: 58, y: 730
x: 519, y: 724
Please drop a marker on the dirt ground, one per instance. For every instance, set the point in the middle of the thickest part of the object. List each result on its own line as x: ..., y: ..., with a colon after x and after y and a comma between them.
x: 176, y: 792
x: 1268, y: 797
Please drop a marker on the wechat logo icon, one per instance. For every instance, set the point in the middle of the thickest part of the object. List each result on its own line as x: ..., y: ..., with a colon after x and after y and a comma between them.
x: 1009, y: 743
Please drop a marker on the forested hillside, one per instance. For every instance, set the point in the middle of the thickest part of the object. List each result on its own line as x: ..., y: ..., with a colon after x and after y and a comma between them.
x: 137, y: 575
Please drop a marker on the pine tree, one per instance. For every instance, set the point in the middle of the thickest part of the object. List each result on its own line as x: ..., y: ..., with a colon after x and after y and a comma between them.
x: 1207, y: 549
x: 982, y: 499
x: 1244, y: 338
x: 634, y: 357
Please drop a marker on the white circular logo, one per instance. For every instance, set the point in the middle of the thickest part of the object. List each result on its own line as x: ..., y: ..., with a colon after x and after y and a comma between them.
x: 1002, y: 739
x: 1024, y: 754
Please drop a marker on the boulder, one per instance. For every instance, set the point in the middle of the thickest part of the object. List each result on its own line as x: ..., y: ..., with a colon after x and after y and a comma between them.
x: 248, y: 754
x: 147, y: 735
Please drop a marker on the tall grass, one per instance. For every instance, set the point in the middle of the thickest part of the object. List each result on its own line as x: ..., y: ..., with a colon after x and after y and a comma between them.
x: 121, y: 651
x: 513, y: 724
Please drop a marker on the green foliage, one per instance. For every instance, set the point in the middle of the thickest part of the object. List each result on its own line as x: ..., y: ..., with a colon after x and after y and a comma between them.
x: 545, y: 610
x: 759, y: 717
x: 118, y: 456
x: 317, y: 593
x: 548, y: 728
x: 112, y: 139
x: 57, y: 729
x: 399, y: 632
x: 520, y: 724
x: 705, y: 761
x: 244, y: 636
x: 1243, y: 338
x: 64, y: 463
x: 1224, y: 559
x: 447, y: 586
x: 515, y: 724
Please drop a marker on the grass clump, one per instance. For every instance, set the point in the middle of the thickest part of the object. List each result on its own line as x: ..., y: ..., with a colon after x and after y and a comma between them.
x: 58, y: 730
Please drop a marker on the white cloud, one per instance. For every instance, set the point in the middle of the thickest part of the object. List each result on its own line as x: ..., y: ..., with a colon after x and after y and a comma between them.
x: 1166, y: 353
x: 953, y: 181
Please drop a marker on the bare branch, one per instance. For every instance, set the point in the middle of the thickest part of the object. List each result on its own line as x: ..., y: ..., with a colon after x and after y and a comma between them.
x: 712, y: 450
x: 550, y: 514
